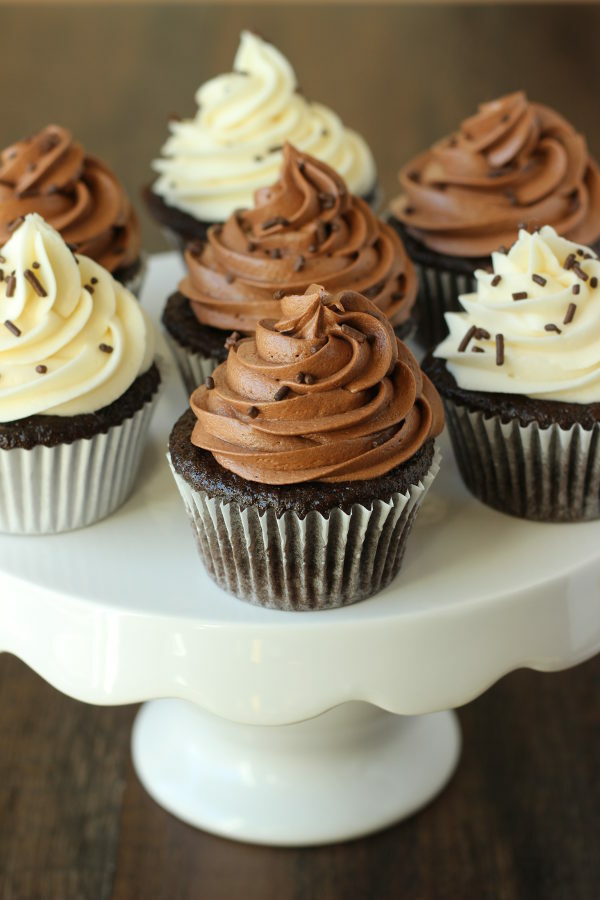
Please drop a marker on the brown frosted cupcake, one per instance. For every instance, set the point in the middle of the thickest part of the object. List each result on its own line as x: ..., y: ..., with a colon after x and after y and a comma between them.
x: 50, y: 173
x: 303, y: 460
x: 519, y: 374
x: 214, y: 163
x: 514, y: 163
x: 307, y: 228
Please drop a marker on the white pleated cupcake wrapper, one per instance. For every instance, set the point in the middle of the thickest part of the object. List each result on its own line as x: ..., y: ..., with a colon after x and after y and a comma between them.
x: 47, y: 490
x: 194, y: 368
x: 548, y: 474
x: 291, y: 563
x: 438, y: 293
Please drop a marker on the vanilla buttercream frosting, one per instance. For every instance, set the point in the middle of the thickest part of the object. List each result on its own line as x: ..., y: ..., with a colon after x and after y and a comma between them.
x: 533, y: 325
x: 72, y: 339
x: 212, y: 164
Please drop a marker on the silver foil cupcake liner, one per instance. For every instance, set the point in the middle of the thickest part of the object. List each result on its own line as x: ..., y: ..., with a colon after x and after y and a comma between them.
x: 547, y: 474
x: 47, y: 490
x: 194, y: 368
x: 439, y: 290
x: 289, y: 563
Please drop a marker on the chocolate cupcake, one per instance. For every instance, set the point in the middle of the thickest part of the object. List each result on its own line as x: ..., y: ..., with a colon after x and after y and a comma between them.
x: 513, y: 164
x: 519, y: 374
x: 305, y: 457
x: 77, y: 385
x: 213, y: 164
x: 49, y: 173
x: 307, y: 228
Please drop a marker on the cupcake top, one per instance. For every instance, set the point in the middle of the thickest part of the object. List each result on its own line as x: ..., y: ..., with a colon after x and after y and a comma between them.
x: 533, y: 326
x: 306, y: 228
x: 327, y: 393
x: 72, y: 339
x: 214, y: 163
x: 512, y: 163
x: 77, y: 194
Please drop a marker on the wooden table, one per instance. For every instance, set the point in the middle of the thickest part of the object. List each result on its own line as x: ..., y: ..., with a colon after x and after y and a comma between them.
x: 521, y: 819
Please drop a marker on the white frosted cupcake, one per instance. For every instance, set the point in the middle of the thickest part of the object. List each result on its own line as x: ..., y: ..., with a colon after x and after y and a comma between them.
x: 212, y: 164
x: 77, y: 385
x: 519, y: 374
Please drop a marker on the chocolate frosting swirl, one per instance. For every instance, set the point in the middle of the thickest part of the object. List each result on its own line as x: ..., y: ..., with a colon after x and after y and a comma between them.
x: 512, y: 163
x: 77, y: 194
x: 306, y: 228
x: 328, y: 393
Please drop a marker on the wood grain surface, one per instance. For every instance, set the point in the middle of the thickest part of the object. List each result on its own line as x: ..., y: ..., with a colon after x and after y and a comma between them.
x: 521, y: 818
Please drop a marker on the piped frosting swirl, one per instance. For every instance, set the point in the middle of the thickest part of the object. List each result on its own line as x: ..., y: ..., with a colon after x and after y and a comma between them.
x: 212, y: 164
x: 533, y: 326
x: 327, y: 393
x: 307, y: 228
x: 77, y: 194
x: 72, y: 339
x: 513, y: 162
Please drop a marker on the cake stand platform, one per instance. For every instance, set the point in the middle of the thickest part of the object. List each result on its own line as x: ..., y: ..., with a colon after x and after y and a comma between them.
x: 293, y: 728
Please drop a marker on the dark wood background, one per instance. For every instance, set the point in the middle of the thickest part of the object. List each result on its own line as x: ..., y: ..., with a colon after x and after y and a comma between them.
x: 521, y: 818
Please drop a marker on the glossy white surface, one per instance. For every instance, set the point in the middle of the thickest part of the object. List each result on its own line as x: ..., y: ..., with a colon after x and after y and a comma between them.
x: 124, y: 611
x: 343, y: 774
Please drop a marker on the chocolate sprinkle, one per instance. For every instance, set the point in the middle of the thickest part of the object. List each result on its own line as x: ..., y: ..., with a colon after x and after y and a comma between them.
x: 88, y: 288
x: 35, y: 283
x: 539, y: 279
x: 499, y: 349
x: 477, y: 350
x: 496, y: 280
x: 576, y: 288
x: 481, y: 334
x: 593, y: 282
x: 274, y: 220
x: 552, y: 327
x: 281, y: 392
x: 308, y: 378
x: 275, y: 253
x: 106, y: 348
x: 299, y: 379
x: 12, y: 328
x: 14, y: 224
x: 41, y: 369
x: 1, y: 274
x: 229, y: 277
x: 94, y: 280
x: 11, y: 283
x: 35, y: 265
x: 569, y: 261
x: 250, y: 246
x: 353, y: 333
x: 252, y: 412
x: 299, y: 264
x: 279, y: 294
x: 570, y: 314
x: 579, y: 272
x: 467, y: 338
x: 327, y: 201
x: 209, y: 383
x: 520, y: 295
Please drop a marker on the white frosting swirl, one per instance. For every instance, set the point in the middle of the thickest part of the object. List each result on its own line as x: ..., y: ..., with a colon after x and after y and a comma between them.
x: 214, y: 163
x: 551, y: 338
x: 50, y: 356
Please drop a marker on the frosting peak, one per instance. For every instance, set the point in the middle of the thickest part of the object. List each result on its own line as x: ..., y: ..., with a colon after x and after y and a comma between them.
x: 72, y: 339
x: 305, y: 228
x: 327, y: 393
x: 50, y: 174
x: 213, y: 164
x: 533, y: 326
x: 512, y: 162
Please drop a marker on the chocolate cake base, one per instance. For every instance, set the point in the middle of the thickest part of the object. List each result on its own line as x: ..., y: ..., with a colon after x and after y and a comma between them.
x: 50, y: 431
x: 183, y: 326
x: 203, y: 473
x: 125, y: 275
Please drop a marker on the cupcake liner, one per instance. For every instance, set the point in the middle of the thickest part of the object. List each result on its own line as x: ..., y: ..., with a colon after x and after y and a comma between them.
x: 47, y: 490
x: 289, y: 563
x: 547, y: 474
x: 194, y: 368
x: 439, y: 290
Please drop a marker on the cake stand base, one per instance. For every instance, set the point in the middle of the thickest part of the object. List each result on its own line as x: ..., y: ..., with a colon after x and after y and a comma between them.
x: 346, y: 773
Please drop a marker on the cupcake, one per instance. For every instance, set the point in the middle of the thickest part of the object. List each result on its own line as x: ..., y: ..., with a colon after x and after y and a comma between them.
x: 78, y: 195
x: 303, y: 460
x: 519, y: 374
x: 212, y: 164
x: 513, y: 164
x: 77, y: 385
x: 307, y: 228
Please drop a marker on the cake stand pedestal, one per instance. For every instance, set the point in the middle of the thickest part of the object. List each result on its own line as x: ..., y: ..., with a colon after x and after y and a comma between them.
x: 294, y: 728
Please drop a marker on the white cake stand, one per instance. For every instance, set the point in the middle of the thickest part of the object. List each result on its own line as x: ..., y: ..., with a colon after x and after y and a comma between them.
x: 294, y: 728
